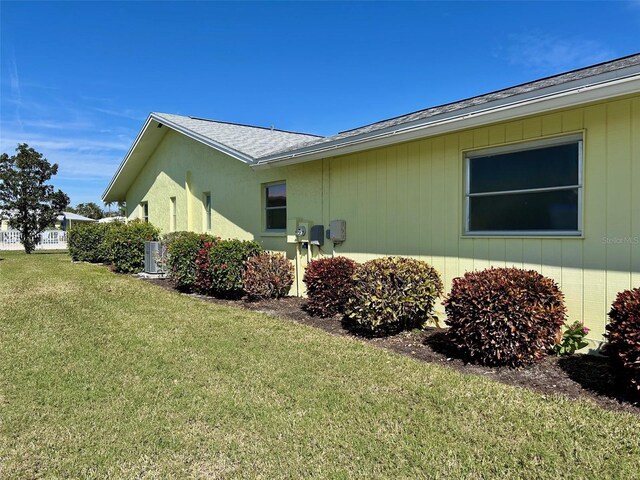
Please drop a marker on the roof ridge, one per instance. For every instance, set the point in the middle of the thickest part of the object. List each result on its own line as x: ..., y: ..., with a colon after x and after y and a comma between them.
x: 244, y: 125
x: 512, y: 87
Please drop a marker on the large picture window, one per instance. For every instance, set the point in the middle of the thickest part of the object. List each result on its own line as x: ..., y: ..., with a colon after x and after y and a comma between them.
x: 528, y: 189
x: 276, y: 206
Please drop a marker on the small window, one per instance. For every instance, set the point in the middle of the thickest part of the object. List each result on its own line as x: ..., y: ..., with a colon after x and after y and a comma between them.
x: 206, y: 200
x: 528, y: 189
x: 276, y: 206
x: 173, y: 213
x: 144, y: 211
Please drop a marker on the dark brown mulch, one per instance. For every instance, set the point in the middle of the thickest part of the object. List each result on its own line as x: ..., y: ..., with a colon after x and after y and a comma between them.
x: 577, y: 376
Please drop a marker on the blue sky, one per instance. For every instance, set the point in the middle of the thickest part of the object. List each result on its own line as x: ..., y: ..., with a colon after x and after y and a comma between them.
x: 78, y: 79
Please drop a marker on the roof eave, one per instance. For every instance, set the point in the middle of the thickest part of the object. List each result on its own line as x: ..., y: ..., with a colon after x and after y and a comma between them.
x: 109, y: 195
x: 108, y: 191
x: 479, y: 115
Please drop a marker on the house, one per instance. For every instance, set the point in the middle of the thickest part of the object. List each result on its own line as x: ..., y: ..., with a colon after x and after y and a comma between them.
x: 68, y: 219
x: 64, y: 221
x: 543, y: 175
x: 112, y: 219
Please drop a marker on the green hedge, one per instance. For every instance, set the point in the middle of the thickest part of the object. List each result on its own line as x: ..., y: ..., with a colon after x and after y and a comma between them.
x: 125, y: 245
x: 86, y: 241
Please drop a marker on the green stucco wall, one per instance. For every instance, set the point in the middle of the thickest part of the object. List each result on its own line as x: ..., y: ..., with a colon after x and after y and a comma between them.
x: 408, y: 200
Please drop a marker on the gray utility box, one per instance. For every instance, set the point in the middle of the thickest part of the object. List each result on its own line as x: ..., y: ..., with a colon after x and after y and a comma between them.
x: 152, y: 253
x: 337, y: 232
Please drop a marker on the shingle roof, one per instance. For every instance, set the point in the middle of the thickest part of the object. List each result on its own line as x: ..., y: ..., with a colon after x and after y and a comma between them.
x: 249, y: 140
x: 524, y: 88
x: 76, y: 217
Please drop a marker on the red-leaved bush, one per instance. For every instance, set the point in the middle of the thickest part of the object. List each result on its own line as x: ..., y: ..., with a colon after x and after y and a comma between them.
x: 329, y: 285
x: 268, y: 275
x: 203, y: 281
x: 623, y: 333
x: 504, y: 316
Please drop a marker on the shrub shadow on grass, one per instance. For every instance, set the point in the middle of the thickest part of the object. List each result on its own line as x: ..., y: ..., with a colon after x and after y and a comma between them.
x: 594, y: 373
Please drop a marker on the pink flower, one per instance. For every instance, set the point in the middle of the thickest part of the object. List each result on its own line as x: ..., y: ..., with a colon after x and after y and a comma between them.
x: 585, y: 330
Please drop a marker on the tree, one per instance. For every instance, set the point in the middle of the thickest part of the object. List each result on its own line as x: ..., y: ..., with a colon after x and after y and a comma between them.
x: 30, y: 203
x: 89, y: 210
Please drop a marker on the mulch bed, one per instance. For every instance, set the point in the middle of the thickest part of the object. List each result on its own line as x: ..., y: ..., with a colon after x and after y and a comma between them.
x: 575, y: 376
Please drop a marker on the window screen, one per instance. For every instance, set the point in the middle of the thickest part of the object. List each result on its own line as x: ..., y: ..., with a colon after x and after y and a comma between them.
x: 527, y: 190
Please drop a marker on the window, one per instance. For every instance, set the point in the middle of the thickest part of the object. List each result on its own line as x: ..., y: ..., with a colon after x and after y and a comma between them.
x: 173, y: 219
x: 206, y: 200
x: 527, y: 189
x: 276, y: 206
x: 144, y: 211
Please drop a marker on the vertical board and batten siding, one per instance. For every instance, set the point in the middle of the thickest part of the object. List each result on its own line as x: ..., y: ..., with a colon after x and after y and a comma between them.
x: 408, y: 200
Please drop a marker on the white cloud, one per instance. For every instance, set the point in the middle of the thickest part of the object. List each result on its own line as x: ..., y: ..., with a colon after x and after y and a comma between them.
x: 57, y: 143
x: 543, y: 52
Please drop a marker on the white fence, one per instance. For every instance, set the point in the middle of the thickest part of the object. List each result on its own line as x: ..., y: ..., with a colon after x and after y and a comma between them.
x: 49, y: 240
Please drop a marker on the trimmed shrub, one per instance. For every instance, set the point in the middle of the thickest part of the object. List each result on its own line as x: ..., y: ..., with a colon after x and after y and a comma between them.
x: 181, y: 252
x: 504, y: 316
x: 623, y: 333
x: 329, y: 285
x: 125, y: 245
x: 393, y: 293
x: 86, y: 241
x: 268, y: 275
x: 220, y: 267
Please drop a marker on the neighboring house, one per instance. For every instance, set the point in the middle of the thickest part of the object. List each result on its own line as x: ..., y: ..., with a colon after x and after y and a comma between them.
x: 68, y: 219
x: 64, y: 221
x: 544, y: 175
x: 112, y: 219
x: 53, y: 237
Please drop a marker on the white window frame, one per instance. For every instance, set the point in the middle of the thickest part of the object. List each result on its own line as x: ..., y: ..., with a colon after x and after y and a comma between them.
x: 144, y: 211
x: 173, y: 222
x: 265, y: 188
x: 207, y: 222
x: 519, y: 147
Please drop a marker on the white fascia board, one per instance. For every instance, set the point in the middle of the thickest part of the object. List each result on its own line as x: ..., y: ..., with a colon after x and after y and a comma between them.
x: 478, y: 116
x: 126, y: 158
x: 206, y: 140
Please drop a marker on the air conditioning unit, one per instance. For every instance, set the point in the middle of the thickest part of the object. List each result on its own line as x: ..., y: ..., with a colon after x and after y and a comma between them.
x: 152, y: 254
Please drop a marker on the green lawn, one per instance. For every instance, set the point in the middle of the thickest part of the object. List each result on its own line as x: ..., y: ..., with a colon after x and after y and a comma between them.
x: 103, y: 375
